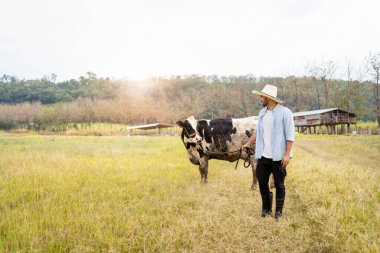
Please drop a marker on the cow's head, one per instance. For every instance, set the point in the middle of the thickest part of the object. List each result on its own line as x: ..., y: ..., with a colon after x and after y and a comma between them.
x: 189, y: 130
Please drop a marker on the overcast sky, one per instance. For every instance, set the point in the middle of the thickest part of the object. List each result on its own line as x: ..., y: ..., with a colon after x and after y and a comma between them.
x: 141, y: 38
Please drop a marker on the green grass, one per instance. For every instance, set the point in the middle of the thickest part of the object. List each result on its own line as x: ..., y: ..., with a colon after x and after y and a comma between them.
x: 93, y: 129
x: 365, y: 125
x: 141, y: 194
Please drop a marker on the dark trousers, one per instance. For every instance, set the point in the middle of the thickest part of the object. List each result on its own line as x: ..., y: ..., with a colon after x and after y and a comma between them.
x: 264, y: 168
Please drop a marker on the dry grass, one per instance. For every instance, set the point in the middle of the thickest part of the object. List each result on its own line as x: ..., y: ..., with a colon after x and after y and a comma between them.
x: 133, y: 194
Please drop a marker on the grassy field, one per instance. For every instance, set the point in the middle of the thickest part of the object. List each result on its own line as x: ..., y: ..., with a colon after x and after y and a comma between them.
x: 141, y: 194
x: 93, y: 129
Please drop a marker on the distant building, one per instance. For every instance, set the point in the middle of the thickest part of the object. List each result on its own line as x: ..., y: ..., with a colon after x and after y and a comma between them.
x: 156, y: 127
x: 330, y: 118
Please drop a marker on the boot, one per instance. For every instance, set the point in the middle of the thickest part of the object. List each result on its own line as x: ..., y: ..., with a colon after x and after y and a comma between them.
x: 270, y: 202
x: 267, y: 205
x: 279, y: 206
x: 278, y: 216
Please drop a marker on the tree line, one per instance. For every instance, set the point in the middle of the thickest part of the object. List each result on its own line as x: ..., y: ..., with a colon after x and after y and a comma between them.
x: 47, y: 91
x: 44, y: 102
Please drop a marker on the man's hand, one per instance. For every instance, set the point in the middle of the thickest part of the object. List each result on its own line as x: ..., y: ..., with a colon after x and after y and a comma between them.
x: 285, y: 160
x: 249, y: 143
x: 246, y: 146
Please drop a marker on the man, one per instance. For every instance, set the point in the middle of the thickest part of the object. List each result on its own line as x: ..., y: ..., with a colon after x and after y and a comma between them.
x: 274, y: 138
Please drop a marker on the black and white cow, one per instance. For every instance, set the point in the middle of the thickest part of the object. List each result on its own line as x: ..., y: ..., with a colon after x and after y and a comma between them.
x: 217, y: 139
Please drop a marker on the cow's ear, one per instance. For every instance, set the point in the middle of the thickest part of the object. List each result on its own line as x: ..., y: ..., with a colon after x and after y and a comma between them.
x: 180, y: 123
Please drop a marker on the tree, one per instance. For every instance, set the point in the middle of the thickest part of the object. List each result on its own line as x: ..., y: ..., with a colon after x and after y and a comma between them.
x: 373, y: 65
x: 323, y: 73
x: 349, y: 88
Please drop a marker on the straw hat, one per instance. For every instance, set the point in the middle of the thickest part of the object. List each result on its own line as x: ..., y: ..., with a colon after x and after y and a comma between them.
x: 268, y: 91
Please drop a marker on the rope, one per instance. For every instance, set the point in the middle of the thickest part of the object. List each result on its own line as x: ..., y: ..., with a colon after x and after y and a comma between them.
x: 247, y: 161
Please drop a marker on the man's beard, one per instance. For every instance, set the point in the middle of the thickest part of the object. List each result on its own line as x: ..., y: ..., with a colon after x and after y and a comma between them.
x: 265, y: 102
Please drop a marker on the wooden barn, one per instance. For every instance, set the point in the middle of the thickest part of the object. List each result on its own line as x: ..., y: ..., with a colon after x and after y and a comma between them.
x: 324, y: 121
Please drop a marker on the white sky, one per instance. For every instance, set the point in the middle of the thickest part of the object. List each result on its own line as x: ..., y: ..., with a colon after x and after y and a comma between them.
x: 136, y: 39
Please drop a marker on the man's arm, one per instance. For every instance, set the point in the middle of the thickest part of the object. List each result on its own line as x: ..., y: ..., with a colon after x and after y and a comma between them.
x: 250, y: 142
x: 286, y: 157
x: 289, y: 135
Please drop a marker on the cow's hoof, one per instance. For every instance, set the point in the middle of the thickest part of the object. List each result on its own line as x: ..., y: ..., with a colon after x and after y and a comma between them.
x: 206, y: 181
x: 253, y: 187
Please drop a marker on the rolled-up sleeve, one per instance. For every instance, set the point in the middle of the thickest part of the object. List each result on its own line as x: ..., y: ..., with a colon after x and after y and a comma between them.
x: 289, y: 126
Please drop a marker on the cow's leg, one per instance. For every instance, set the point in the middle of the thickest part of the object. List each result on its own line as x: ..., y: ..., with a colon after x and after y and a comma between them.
x: 203, y: 168
x: 201, y: 172
x: 254, y: 180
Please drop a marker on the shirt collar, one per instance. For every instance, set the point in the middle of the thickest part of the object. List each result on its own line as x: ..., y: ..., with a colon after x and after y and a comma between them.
x: 276, y: 108
x: 265, y: 109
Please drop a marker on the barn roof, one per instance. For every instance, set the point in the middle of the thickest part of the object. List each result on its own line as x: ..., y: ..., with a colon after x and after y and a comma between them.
x: 296, y: 114
x: 151, y: 126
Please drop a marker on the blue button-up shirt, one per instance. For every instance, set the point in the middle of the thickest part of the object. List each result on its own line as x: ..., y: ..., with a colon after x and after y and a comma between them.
x: 282, y: 131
